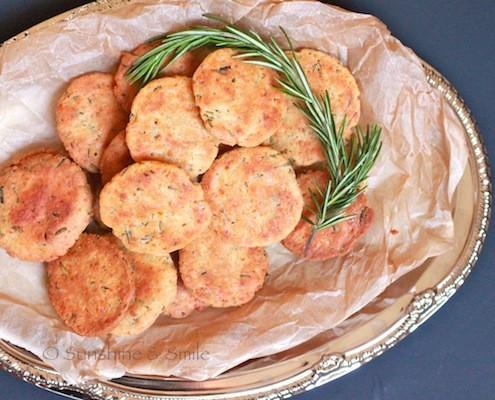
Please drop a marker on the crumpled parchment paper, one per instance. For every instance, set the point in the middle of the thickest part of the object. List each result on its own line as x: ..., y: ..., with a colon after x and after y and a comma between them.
x: 411, y: 188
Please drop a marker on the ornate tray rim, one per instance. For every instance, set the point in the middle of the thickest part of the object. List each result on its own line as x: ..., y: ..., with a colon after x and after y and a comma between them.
x: 330, y: 366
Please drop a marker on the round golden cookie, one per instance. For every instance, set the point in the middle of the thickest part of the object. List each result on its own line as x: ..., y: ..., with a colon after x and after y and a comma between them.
x: 88, y: 118
x: 254, y: 196
x: 45, y: 205
x: 295, y: 138
x: 91, y: 287
x: 239, y: 102
x: 156, y: 287
x: 335, y: 240
x: 184, y: 303
x: 221, y: 273
x: 154, y: 208
x: 125, y: 91
x: 165, y: 126
x: 115, y: 158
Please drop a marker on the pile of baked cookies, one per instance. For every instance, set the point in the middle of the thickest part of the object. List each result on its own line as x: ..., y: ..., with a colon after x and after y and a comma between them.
x: 188, y: 177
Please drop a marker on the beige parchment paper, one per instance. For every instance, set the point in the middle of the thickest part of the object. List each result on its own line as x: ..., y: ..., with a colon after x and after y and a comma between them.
x: 411, y: 188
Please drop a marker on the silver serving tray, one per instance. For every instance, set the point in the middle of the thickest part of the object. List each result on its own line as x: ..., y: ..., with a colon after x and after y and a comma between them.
x: 324, y: 358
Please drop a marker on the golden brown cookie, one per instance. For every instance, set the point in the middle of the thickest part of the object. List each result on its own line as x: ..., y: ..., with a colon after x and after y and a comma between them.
x: 115, y: 158
x: 295, y: 138
x: 254, y: 196
x: 184, y: 303
x: 91, y: 287
x: 45, y: 205
x: 88, y: 118
x: 239, y: 102
x: 156, y: 287
x: 165, y: 126
x: 336, y: 240
x: 154, y: 208
x: 221, y: 273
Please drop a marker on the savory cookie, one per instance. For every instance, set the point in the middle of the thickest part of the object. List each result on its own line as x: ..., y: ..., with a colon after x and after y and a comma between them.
x: 115, y: 158
x: 335, y: 240
x: 88, y: 118
x: 184, y: 303
x: 221, y: 273
x: 239, y: 102
x: 254, y: 196
x: 295, y: 138
x: 165, y: 126
x: 125, y: 91
x: 156, y: 287
x: 91, y: 287
x: 154, y: 208
x: 45, y: 205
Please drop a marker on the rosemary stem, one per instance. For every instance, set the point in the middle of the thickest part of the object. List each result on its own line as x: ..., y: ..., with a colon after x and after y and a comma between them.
x: 310, y: 240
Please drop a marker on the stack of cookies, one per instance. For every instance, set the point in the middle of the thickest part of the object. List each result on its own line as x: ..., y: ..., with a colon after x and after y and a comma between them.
x: 189, y: 178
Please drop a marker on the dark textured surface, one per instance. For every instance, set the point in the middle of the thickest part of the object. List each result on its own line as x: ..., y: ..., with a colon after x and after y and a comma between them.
x: 452, y: 356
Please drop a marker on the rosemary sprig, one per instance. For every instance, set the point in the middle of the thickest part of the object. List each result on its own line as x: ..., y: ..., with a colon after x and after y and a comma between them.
x: 348, y: 162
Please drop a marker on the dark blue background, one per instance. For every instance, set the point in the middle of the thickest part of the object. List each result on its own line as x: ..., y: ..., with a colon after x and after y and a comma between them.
x: 452, y: 355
